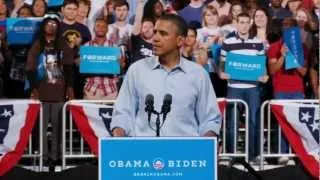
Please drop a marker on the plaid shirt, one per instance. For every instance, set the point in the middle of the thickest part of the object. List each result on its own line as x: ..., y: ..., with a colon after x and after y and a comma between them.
x: 108, y: 85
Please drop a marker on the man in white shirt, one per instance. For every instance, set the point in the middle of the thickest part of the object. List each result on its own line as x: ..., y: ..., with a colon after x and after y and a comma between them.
x: 121, y: 30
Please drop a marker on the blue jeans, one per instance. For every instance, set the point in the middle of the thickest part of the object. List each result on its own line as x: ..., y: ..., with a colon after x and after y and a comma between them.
x: 252, y: 97
x: 284, y: 95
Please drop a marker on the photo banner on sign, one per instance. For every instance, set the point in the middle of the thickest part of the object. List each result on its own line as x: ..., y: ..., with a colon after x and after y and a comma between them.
x: 292, y: 39
x: 22, y: 31
x: 99, y: 60
x: 245, y: 67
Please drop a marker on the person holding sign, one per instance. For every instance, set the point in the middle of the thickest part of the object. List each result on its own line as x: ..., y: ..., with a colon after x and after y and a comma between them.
x: 287, y: 84
x: 101, y: 86
x: 194, y: 110
x: 244, y: 46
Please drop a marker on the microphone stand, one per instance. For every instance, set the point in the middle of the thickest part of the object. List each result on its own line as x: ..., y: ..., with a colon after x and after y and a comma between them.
x: 158, y: 125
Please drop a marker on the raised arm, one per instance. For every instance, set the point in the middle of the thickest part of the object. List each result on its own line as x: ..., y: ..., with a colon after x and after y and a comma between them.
x: 138, y: 18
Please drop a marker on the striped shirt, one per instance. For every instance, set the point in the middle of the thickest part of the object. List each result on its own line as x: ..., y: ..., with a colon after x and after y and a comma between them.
x: 251, y: 46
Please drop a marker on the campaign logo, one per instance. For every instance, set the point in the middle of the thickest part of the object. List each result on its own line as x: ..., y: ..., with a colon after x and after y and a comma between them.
x: 158, y: 164
x: 6, y: 112
x: 106, y: 115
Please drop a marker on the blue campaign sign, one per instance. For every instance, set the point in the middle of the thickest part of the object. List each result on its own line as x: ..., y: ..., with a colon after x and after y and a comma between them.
x: 292, y: 39
x: 158, y: 158
x: 22, y: 31
x: 215, y: 51
x: 245, y: 67
x: 52, y: 3
x: 291, y: 61
x: 99, y: 60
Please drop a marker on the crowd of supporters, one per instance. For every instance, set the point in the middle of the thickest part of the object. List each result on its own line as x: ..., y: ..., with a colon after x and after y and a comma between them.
x: 129, y: 24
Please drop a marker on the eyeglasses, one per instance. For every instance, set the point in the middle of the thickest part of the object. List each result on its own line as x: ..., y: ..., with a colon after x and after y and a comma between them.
x: 52, y: 24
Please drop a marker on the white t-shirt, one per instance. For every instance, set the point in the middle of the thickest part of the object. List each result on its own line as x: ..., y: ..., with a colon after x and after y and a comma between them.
x: 227, y: 29
x: 124, y: 32
x: 29, y: 2
x: 205, y: 32
x: 96, y: 5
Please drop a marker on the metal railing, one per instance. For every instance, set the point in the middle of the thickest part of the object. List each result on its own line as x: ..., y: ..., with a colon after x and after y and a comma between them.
x: 237, y: 151
x: 272, y: 131
x: 32, y: 151
x: 73, y: 145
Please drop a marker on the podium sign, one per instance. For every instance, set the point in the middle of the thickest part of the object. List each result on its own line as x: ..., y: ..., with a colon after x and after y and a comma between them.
x: 164, y: 158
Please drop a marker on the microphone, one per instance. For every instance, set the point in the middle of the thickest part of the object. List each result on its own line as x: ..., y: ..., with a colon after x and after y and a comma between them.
x: 149, y: 105
x: 166, y: 106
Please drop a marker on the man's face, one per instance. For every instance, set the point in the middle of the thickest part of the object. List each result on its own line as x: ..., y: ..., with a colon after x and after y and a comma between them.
x: 243, y: 25
x: 166, y: 39
x: 50, y: 27
x: 83, y: 11
x: 147, y: 29
x: 101, y: 29
x: 70, y: 12
x: 276, y: 3
x: 121, y: 13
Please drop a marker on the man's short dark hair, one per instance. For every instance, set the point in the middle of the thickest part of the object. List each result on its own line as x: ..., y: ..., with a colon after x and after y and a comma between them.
x: 67, y: 2
x: 148, y: 19
x: 101, y: 20
x: 193, y: 28
x: 119, y: 3
x: 178, y: 21
x: 243, y: 14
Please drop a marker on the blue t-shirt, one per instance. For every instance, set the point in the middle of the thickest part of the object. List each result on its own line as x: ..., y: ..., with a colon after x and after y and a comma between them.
x: 190, y: 14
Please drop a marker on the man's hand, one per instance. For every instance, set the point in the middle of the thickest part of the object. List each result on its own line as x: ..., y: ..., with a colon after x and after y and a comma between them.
x: 69, y: 93
x: 118, y: 132
x: 224, y: 75
x: 210, y: 134
x: 264, y: 78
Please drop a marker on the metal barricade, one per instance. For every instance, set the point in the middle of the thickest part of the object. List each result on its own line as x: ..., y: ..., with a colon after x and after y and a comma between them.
x: 73, y: 146
x: 267, y: 149
x: 33, y: 152
x: 70, y: 134
x: 237, y: 151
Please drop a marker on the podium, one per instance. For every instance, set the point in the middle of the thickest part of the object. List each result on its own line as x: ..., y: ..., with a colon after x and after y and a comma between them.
x: 165, y: 158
